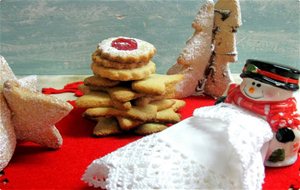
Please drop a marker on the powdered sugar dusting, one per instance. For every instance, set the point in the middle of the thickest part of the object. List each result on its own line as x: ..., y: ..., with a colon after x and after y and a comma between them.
x: 7, y: 134
x: 29, y: 82
x: 201, y: 40
x: 194, y: 58
x: 35, y: 114
x: 142, y: 49
x: 5, y: 71
x: 203, y: 17
x: 196, y: 48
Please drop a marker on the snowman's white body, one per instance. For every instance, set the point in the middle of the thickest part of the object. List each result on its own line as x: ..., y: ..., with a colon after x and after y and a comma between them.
x: 262, y: 92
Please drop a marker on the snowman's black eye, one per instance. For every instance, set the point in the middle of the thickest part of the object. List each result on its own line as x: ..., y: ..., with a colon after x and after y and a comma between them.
x: 258, y: 85
x: 253, y: 83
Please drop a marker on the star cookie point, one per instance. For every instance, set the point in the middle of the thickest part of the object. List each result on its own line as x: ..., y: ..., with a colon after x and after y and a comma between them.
x: 35, y: 114
x: 7, y: 133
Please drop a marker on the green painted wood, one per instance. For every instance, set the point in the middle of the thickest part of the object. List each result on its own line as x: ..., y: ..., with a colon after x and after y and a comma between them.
x: 58, y: 36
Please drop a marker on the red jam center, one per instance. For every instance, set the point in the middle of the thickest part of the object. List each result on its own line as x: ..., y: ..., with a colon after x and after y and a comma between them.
x: 124, y: 44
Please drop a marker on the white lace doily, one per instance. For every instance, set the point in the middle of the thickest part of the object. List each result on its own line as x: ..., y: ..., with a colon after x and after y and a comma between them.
x: 218, y: 148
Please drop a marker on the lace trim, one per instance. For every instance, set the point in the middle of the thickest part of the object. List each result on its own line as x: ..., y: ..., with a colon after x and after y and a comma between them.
x: 153, y: 164
x: 247, y: 145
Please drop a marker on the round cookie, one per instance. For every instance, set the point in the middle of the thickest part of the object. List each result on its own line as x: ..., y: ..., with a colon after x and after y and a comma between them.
x: 124, y: 74
x: 126, y: 50
x: 113, y: 64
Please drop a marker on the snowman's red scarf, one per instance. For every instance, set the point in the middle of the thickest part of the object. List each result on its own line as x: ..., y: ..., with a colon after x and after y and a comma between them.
x: 278, y: 114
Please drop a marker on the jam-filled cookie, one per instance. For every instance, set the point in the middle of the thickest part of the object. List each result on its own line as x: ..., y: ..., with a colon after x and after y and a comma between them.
x: 124, y: 74
x: 96, y: 58
x: 126, y: 50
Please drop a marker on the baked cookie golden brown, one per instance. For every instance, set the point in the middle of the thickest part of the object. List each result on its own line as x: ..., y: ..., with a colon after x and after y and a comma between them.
x: 125, y: 93
x: 124, y: 74
x: 114, y: 64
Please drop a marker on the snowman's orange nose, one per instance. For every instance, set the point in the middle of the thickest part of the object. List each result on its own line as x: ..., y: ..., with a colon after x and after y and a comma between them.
x: 251, y: 90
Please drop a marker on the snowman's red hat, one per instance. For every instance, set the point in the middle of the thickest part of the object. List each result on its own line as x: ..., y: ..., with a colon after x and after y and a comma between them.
x: 272, y: 73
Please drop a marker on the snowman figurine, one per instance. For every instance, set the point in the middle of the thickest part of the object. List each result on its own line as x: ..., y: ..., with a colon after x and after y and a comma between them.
x: 268, y: 90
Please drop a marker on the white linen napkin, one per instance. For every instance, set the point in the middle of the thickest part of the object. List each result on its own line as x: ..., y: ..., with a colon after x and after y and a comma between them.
x: 219, y: 147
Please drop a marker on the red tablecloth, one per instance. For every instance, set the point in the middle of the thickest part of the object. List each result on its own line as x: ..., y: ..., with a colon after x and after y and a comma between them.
x: 35, y: 167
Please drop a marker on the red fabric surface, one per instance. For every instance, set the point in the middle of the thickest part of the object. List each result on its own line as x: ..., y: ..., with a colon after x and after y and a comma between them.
x: 35, y: 167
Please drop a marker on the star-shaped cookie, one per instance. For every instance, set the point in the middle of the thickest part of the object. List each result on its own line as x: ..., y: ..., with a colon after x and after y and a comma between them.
x: 26, y: 114
x: 7, y: 134
x: 34, y: 114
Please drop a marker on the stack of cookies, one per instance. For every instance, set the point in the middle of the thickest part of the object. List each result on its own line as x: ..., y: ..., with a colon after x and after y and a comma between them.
x: 125, y: 94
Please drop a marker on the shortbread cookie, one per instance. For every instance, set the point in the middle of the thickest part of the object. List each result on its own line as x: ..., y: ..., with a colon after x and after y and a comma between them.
x: 97, y: 88
x: 149, y: 128
x: 163, y: 104
x: 106, y: 126
x: 5, y: 71
x: 128, y: 123
x: 8, y: 139
x: 123, y: 94
x: 227, y: 20
x: 94, y: 99
x: 144, y: 113
x: 194, y: 58
x: 201, y: 38
x: 7, y: 134
x: 35, y: 114
x: 121, y: 105
x: 113, y: 64
x: 146, y: 99
x: 178, y: 104
x: 219, y: 77
x: 99, y: 81
x: 30, y: 82
x: 86, y: 89
x: 167, y: 116
x: 126, y: 50
x: 124, y: 74
x: 156, y: 83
